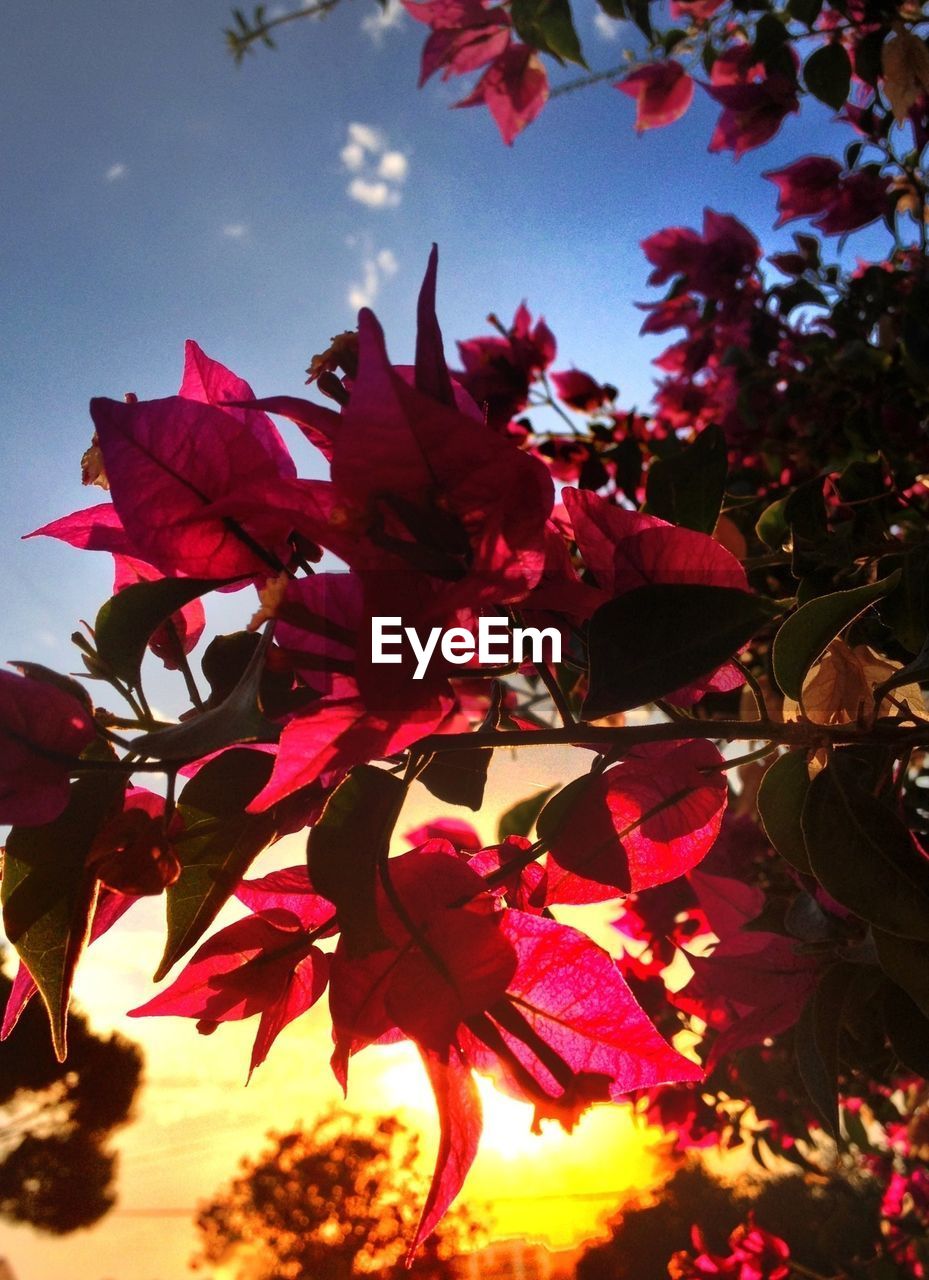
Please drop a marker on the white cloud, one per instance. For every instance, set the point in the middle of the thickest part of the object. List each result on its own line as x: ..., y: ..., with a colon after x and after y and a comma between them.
x: 115, y: 172
x: 379, y: 171
x: 353, y: 156
x: 235, y: 230
x: 608, y: 28
x: 376, y: 267
x: 382, y: 20
x: 394, y: 166
x: 366, y: 136
x: 387, y: 262
x: 376, y: 195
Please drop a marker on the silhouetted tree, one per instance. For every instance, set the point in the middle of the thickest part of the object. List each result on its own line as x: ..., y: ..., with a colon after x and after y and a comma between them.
x: 56, y: 1170
x: 338, y: 1200
x: 829, y: 1223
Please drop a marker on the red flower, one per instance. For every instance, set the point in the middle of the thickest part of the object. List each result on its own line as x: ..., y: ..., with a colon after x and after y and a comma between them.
x: 466, y: 35
x: 663, y: 91
x: 579, y: 390
x: 806, y: 187
x: 752, y: 113
x: 862, y: 197
x: 499, y: 370
x: 43, y: 731
x: 715, y: 263
x: 514, y: 88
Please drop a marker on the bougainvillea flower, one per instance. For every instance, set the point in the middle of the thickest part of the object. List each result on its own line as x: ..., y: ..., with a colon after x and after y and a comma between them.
x: 338, y: 732
x: 752, y: 113
x: 564, y: 1045
x: 579, y: 390
x: 499, y: 369
x: 132, y: 854
x: 429, y: 488
x: 466, y: 35
x: 254, y: 966
x: 43, y: 731
x: 713, y: 263
x: 755, y: 982
x: 459, y: 834
x: 514, y: 88
x: 641, y: 823
x: 806, y: 187
x: 177, y: 636
x: 96, y: 528
x: 475, y: 987
x: 287, y: 890
x: 663, y: 91
x: 862, y: 198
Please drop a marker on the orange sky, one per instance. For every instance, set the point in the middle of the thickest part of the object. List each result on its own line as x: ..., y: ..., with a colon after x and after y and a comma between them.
x: 196, y: 1118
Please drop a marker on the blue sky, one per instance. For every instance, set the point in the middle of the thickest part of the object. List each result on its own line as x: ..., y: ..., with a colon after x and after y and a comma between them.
x: 153, y: 191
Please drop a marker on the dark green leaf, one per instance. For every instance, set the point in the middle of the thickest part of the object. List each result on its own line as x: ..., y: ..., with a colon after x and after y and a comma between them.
x: 805, y: 11
x: 816, y: 1042
x: 559, y: 806
x: 827, y: 73
x: 906, y: 610
x: 549, y: 26
x: 518, y: 820
x: 772, y: 527
x: 458, y: 777
x: 219, y: 844
x: 863, y: 854
x: 688, y: 488
x: 781, y: 797
x: 906, y: 962
x: 806, y: 634
x: 907, y: 1030
x: 48, y: 895
x: 655, y: 639
x: 805, y: 514
x: 868, y: 51
x: 348, y: 844
x: 127, y: 621
x: 770, y: 34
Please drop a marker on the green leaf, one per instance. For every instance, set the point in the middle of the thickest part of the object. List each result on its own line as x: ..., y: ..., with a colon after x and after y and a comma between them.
x: 816, y: 1042
x: 828, y: 74
x: 688, y: 488
x: 348, y: 844
x: 805, y: 11
x: 653, y: 640
x: 781, y: 798
x: 548, y: 25
x: 806, y: 634
x: 237, y: 719
x: 906, y: 962
x: 458, y: 777
x: 518, y: 820
x: 863, y: 854
x: 614, y: 8
x: 771, y: 526
x: 127, y: 621
x: 906, y: 610
x: 559, y: 806
x: 907, y: 1029
x: 219, y: 843
x: 48, y: 895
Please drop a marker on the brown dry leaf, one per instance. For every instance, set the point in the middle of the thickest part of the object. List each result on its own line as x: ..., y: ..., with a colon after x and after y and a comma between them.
x: 839, y: 688
x: 905, y: 68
